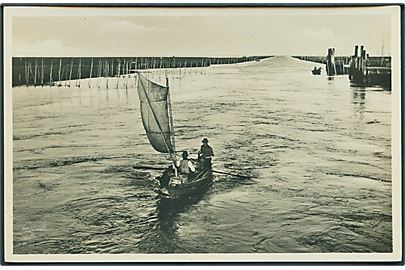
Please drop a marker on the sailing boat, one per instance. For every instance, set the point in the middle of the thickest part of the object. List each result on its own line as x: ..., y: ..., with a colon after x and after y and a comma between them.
x: 157, y: 119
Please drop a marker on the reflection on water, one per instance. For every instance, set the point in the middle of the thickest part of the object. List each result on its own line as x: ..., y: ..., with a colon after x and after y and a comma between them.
x: 359, y: 100
x: 319, y: 151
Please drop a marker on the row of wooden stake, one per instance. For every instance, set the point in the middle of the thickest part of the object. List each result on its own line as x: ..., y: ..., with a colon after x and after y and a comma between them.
x: 104, y: 68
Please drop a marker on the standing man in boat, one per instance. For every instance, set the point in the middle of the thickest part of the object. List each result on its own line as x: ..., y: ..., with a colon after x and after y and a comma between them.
x: 205, y: 154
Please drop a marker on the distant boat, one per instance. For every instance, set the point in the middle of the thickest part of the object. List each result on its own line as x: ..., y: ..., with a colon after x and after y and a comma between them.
x: 316, y: 71
x: 157, y: 119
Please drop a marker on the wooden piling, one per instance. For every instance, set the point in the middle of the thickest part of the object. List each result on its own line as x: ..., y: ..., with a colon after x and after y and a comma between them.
x: 25, y: 73
x: 35, y: 72
x: 330, y: 62
x: 91, y: 69
x: 70, y: 73
x: 42, y: 71
x: 59, y: 72
x: 79, y: 73
x: 118, y: 72
x: 362, y: 72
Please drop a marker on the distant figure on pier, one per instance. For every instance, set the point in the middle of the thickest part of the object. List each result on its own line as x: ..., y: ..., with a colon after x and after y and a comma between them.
x: 316, y: 71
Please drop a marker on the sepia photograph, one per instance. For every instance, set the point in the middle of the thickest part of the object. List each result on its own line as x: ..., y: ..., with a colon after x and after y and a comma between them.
x: 202, y: 133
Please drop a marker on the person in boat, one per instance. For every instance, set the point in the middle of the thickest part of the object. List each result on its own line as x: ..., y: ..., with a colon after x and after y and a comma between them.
x: 206, y: 154
x: 185, y: 165
x: 316, y: 71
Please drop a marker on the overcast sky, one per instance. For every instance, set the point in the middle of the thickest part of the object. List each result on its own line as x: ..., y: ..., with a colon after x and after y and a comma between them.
x: 217, y: 34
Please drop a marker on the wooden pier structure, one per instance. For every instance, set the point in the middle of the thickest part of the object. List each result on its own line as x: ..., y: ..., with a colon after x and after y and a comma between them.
x: 366, y: 71
x: 363, y: 70
x: 39, y: 71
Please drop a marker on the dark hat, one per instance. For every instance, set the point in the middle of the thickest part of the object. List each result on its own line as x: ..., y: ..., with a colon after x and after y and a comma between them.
x: 184, y: 154
x: 205, y: 140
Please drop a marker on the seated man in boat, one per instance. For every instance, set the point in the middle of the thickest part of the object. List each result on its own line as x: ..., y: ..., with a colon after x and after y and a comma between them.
x: 186, y: 166
x: 205, y: 154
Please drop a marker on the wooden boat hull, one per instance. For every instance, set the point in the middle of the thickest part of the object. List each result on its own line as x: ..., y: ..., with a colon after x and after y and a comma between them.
x: 180, y: 187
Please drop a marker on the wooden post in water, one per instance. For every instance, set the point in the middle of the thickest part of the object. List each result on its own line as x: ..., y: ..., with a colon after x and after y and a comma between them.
x: 42, y: 71
x: 65, y: 74
x: 99, y: 72
x: 126, y: 74
x: 106, y: 73
x: 358, y: 66
x: 79, y: 73
x: 111, y: 69
x: 201, y: 65
x: 29, y: 72
x: 330, y: 62
x: 25, y: 73
x: 118, y: 72
x: 122, y: 66
x: 353, y: 62
x: 59, y: 72
x: 91, y: 71
x: 35, y: 72
x: 70, y: 73
x: 50, y: 74
x: 364, y: 61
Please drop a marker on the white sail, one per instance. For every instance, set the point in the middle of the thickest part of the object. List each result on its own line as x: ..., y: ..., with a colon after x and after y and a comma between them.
x: 154, y: 100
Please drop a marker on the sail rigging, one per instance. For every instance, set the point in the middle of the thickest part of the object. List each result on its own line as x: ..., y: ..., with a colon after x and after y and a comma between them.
x: 155, y: 113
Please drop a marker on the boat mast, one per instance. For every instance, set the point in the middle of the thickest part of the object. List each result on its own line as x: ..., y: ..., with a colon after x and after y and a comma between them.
x: 169, y: 103
x: 170, y: 117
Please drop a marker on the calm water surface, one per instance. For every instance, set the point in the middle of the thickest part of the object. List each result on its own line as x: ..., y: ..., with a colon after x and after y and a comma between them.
x: 319, y: 150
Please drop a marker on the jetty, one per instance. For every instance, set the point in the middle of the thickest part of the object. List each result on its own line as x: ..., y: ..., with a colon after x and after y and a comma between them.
x: 40, y: 71
x: 362, y: 69
x: 367, y: 71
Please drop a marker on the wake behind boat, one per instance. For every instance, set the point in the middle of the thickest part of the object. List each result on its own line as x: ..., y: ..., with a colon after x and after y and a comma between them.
x: 157, y: 119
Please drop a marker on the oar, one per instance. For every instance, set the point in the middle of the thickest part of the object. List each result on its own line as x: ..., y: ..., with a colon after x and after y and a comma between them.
x: 148, y: 168
x: 233, y: 174
x: 215, y: 171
